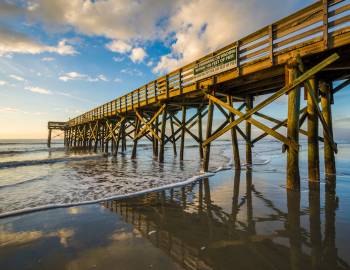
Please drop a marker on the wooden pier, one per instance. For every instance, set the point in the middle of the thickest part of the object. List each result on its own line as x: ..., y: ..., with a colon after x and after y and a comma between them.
x: 308, y: 50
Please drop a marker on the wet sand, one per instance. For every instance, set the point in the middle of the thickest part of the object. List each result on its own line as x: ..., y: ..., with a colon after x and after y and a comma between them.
x: 243, y: 220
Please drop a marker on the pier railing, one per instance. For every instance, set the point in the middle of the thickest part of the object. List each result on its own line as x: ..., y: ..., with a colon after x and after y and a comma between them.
x: 314, y: 29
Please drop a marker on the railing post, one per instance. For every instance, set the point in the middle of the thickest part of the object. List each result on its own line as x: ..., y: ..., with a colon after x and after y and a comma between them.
x: 271, y: 37
x: 167, y: 86
x: 325, y: 23
x: 138, y: 97
x: 155, y: 91
x: 146, y: 94
x: 238, y: 44
x: 180, y: 81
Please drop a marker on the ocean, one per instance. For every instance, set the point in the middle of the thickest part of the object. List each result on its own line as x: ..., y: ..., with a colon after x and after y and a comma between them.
x: 103, y: 212
x: 35, y: 177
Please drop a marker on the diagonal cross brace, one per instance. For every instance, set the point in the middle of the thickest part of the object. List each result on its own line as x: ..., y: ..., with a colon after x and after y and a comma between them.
x: 148, y: 125
x: 307, y: 75
x: 254, y: 122
x: 113, y: 129
x: 308, y: 88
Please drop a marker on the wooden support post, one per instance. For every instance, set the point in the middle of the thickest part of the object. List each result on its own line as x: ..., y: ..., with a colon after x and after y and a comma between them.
x: 173, y: 134
x: 248, y: 131
x: 329, y: 158
x: 137, y: 127
x: 96, y: 136
x: 155, y: 139
x: 312, y: 129
x: 235, y: 149
x: 103, y: 137
x: 209, y: 128
x: 162, y: 136
x: 200, y: 131
x: 293, y: 176
x: 49, y: 138
x: 183, y: 133
x: 123, y: 138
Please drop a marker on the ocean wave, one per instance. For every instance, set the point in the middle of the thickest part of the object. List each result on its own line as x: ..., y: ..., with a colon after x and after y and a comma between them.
x: 13, y: 164
x: 121, y: 196
x: 25, y: 151
x: 22, y: 182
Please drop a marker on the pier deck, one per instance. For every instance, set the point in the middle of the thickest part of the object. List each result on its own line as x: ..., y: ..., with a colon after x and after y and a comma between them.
x: 308, y: 49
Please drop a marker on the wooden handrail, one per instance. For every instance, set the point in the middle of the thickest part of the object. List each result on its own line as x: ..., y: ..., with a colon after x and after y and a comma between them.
x: 306, y: 26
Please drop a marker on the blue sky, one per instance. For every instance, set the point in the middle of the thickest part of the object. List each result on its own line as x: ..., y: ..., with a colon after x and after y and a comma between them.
x: 61, y: 58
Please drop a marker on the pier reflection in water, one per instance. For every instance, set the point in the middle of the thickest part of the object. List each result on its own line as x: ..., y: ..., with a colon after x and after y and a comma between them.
x: 230, y: 221
x: 199, y: 233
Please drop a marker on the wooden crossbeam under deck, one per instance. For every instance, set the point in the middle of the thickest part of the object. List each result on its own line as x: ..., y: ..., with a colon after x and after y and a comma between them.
x: 149, y: 123
x: 307, y: 75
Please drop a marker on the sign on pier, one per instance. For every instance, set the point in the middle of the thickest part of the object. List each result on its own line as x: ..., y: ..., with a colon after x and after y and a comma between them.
x: 216, y: 64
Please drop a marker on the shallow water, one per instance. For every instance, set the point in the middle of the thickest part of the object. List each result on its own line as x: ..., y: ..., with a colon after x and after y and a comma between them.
x: 245, y: 220
x: 31, y: 176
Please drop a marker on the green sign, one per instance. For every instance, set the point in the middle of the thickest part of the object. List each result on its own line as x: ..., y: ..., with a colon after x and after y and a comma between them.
x: 216, y: 64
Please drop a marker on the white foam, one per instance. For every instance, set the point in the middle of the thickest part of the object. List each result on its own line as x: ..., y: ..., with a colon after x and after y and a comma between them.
x: 121, y: 196
x: 12, y: 164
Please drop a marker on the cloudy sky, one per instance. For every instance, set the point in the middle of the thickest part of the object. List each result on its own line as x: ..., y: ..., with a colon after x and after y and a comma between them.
x: 60, y: 58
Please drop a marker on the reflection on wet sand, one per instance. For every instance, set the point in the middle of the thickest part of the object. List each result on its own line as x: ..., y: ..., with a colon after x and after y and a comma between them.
x: 198, y: 233
x: 230, y: 221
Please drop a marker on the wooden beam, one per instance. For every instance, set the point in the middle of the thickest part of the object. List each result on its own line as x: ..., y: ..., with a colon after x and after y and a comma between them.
x: 172, y: 133
x: 341, y: 86
x: 209, y: 127
x: 183, y: 130
x: 329, y: 158
x: 301, y: 79
x: 200, y: 136
x: 162, y: 135
x: 134, y: 149
x: 148, y: 124
x: 248, y: 133
x: 312, y: 128
x: 293, y: 175
x: 251, y: 120
x: 234, y: 140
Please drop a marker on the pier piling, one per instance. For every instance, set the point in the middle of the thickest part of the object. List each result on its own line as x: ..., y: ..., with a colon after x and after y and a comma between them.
x: 260, y: 66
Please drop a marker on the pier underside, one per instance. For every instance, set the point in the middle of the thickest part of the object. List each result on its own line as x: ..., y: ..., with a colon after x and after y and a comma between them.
x: 306, y: 55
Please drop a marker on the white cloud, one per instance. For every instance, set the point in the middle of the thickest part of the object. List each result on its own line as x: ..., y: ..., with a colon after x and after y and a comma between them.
x: 218, y: 25
x: 137, y: 55
x: 38, y: 90
x: 117, y: 80
x: 78, y: 76
x: 47, y: 59
x: 119, y: 46
x: 124, y: 20
x: 132, y: 71
x: 102, y: 77
x: 191, y: 28
x: 117, y: 59
x: 17, y: 78
x: 72, y: 76
x: 8, y: 109
x: 13, y: 42
x: 2, y: 83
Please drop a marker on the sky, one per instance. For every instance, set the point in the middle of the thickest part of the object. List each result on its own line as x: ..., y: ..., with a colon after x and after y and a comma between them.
x: 61, y: 58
